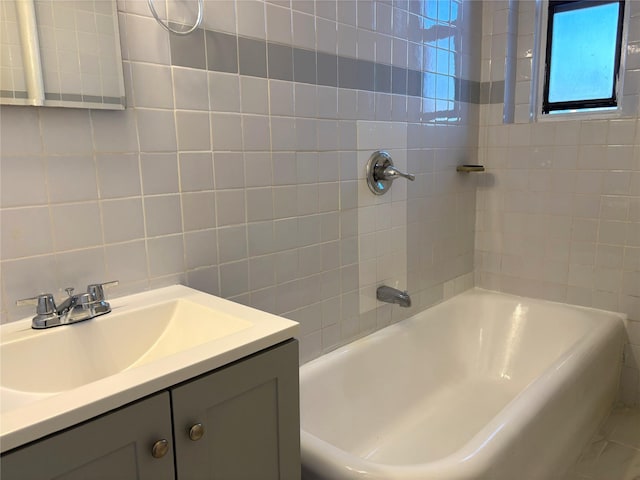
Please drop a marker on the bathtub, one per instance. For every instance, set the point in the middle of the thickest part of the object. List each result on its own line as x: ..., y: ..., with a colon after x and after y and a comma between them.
x: 482, y: 386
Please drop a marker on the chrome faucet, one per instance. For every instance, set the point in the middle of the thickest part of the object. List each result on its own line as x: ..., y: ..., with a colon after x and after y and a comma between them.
x: 393, y: 295
x: 73, y: 309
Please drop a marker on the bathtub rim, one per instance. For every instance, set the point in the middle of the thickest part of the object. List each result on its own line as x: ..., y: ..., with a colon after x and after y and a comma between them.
x: 477, y: 453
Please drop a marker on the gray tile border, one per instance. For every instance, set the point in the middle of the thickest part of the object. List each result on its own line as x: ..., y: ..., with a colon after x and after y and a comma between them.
x: 347, y: 72
x: 71, y: 97
x: 327, y: 69
x: 366, y: 75
x: 399, y: 80
x: 252, y: 57
x: 382, y: 78
x: 485, y: 90
x: 280, y: 62
x: 222, y: 52
x: 188, y: 50
x: 469, y: 91
x: 414, y: 83
x: 258, y: 58
x: 13, y: 94
x: 497, y: 92
x: 93, y: 99
x: 304, y: 66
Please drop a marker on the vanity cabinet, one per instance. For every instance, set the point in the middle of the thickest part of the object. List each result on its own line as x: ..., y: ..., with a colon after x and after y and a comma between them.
x: 241, y: 421
x: 114, y: 446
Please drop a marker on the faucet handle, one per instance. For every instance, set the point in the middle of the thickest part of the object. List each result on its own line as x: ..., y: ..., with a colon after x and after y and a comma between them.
x: 96, y: 290
x: 45, y: 305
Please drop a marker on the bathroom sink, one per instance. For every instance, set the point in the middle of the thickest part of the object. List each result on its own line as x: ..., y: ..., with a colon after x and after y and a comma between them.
x: 52, y: 378
x: 70, y: 356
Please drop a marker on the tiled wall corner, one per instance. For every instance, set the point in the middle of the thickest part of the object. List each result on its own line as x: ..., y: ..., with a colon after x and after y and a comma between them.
x: 557, y: 210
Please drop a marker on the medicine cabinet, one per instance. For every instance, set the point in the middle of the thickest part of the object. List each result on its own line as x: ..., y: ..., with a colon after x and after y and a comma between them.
x: 61, y: 53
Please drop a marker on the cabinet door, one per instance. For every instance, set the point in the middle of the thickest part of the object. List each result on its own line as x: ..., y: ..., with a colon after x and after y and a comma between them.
x: 250, y: 416
x: 117, y: 445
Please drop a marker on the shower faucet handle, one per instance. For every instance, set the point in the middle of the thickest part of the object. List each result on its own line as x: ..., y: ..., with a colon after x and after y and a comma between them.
x: 381, y: 172
x: 391, y: 173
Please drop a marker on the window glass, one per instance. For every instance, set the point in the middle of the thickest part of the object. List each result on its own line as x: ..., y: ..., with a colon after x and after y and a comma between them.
x: 583, y: 55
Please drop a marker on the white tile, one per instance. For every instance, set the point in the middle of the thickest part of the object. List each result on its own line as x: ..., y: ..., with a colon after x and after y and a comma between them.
x: 261, y: 272
x: 348, y: 39
x: 234, y: 278
x: 118, y: 175
x: 283, y: 133
x: 22, y: 133
x: 196, y: 171
x: 281, y: 98
x: 166, y: 255
x: 256, y: 132
x: 285, y: 199
x: 251, y: 18
x: 69, y: 233
x: 226, y: 131
x: 258, y: 169
x: 326, y: 35
x: 231, y: 208
x: 224, y: 92
x: 114, y: 132
x: 612, y: 233
x: 23, y: 181
x: 306, y: 134
x: 305, y: 100
x: 122, y: 220
x: 191, y: 89
x: 279, y: 28
x: 25, y: 232
x: 198, y: 210
x: 156, y: 130
x: 261, y: 238
x: 201, y: 248
x: 204, y: 279
x: 304, y: 31
x: 162, y: 215
x: 232, y: 243
x: 145, y: 40
x: 159, y: 173
x: 65, y: 130
x: 254, y: 95
x: 220, y: 15
x: 193, y: 130
x: 259, y: 204
x: 144, y: 75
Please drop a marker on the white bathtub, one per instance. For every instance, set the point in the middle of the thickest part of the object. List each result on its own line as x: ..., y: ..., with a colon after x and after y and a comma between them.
x: 482, y: 386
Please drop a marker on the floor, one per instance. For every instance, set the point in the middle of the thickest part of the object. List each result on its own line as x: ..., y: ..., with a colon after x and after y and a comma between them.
x: 613, y: 453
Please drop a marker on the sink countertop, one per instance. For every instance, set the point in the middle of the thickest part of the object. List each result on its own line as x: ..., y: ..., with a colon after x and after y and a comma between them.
x: 28, y: 416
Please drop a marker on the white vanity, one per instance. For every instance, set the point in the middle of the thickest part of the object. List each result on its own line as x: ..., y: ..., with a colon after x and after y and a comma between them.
x: 172, y: 383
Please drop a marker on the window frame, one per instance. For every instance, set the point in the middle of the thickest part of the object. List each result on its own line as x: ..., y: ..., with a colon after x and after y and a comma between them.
x: 540, y: 72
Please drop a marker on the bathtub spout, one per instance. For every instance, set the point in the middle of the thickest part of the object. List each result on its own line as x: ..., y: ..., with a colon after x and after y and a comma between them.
x: 393, y: 295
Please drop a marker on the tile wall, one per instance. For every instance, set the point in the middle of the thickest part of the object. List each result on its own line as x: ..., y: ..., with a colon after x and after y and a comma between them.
x: 558, y: 214
x: 237, y: 166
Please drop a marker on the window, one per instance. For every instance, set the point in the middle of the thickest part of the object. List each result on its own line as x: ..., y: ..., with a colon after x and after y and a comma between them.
x: 584, y: 39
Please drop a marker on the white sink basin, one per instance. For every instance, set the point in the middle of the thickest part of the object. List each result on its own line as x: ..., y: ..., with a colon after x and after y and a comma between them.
x: 54, y: 378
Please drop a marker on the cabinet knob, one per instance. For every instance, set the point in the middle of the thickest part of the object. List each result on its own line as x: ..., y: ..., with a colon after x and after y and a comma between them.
x: 160, y: 448
x: 196, y: 432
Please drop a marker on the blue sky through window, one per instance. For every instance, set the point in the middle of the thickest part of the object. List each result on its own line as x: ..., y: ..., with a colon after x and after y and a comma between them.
x: 583, y: 53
